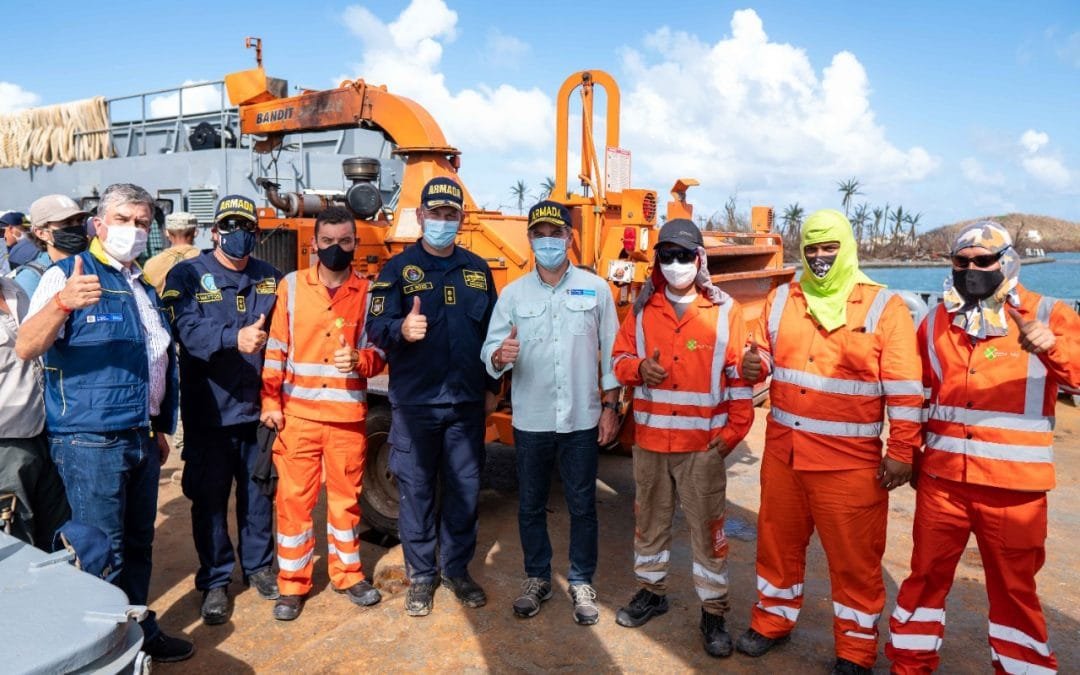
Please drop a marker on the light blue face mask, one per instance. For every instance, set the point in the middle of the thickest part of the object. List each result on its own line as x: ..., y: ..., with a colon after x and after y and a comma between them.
x: 550, y: 252
x: 440, y: 233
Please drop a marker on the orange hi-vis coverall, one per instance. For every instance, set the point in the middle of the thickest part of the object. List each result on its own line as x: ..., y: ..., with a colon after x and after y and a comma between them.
x: 702, y: 398
x: 830, y: 393
x: 986, y: 467
x: 324, y: 413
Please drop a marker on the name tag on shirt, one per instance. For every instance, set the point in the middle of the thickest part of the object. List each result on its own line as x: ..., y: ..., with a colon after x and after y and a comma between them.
x: 104, y: 318
x: 582, y: 291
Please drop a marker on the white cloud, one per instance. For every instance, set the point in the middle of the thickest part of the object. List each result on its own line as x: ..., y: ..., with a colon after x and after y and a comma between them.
x: 749, y: 110
x: 975, y: 173
x: 196, y: 100
x: 14, y: 98
x: 504, y: 50
x: 1033, y: 140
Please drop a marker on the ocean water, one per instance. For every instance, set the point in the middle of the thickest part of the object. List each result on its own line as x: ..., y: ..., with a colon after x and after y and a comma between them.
x: 1060, y: 279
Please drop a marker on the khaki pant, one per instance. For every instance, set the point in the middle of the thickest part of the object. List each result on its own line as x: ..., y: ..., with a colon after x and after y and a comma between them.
x: 698, y: 480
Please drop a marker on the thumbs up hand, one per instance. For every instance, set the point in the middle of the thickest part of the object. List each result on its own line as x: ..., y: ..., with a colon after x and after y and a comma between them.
x: 751, y: 362
x: 508, y: 351
x: 414, y: 327
x: 1035, y: 336
x: 81, y: 290
x: 345, y: 357
x: 252, y: 337
x: 651, y: 370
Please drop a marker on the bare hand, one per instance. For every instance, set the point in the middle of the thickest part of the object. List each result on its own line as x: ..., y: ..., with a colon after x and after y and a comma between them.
x: 651, y: 370
x: 1035, y: 336
x: 892, y: 474
x: 414, y: 327
x: 163, y: 446
x: 273, y: 419
x: 751, y: 362
x: 508, y: 351
x: 720, y: 446
x: 345, y: 358
x: 251, y: 338
x: 609, y: 426
x: 81, y: 290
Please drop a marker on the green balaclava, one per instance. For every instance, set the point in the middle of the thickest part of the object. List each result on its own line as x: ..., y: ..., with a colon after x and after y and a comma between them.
x: 827, y: 296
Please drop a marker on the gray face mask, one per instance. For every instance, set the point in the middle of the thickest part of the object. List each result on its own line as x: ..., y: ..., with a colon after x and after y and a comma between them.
x: 821, y: 265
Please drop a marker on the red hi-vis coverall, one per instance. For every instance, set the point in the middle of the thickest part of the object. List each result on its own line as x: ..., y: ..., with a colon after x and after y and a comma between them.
x: 829, y: 394
x: 324, y: 413
x: 701, y: 399
x: 987, y: 465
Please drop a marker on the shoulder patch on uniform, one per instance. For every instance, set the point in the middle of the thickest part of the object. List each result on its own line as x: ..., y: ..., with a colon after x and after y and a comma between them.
x: 208, y: 282
x: 378, y: 304
x: 474, y: 279
x: 170, y: 293
x: 375, y: 285
x: 267, y: 286
x: 412, y: 274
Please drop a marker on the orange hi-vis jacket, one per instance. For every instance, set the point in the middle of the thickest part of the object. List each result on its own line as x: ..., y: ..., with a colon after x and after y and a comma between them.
x: 299, y: 376
x: 702, y: 397
x: 990, y: 415
x: 830, y: 391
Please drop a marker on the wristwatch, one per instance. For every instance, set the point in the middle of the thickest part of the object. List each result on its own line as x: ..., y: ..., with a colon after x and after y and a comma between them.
x: 610, y: 406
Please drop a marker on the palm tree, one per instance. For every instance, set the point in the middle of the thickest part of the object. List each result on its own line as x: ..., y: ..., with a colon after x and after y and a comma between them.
x: 898, y: 226
x: 792, y: 219
x: 547, y: 187
x: 913, y: 222
x: 849, y: 188
x: 519, y: 192
x: 859, y: 220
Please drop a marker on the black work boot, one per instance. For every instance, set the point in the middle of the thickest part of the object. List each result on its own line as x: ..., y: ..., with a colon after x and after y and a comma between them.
x: 753, y: 643
x: 265, y: 582
x: 717, y: 641
x: 466, y: 590
x: 419, y: 598
x: 288, y: 607
x: 215, y: 606
x: 165, y: 649
x: 845, y: 667
x: 643, y: 606
x: 362, y: 593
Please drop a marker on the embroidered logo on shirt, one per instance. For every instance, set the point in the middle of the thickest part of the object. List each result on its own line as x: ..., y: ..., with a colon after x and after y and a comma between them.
x: 474, y: 279
x: 377, y: 305
x: 104, y: 318
x: 208, y: 282
x: 171, y: 293
x: 381, y: 284
x: 990, y: 353
x: 339, y: 322
x: 267, y: 286
x: 412, y: 274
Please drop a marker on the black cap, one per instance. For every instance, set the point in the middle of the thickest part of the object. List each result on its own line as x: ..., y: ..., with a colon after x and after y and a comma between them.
x: 236, y: 205
x: 681, y: 232
x: 549, y: 212
x: 441, y: 191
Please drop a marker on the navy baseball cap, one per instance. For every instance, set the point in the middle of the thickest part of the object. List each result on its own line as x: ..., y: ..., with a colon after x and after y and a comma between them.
x: 552, y: 213
x: 681, y: 232
x: 442, y: 191
x: 236, y: 206
x: 13, y: 218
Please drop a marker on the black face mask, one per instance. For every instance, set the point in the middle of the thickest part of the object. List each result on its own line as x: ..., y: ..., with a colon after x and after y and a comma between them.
x: 977, y: 285
x: 71, y: 240
x: 334, y: 258
x: 821, y: 265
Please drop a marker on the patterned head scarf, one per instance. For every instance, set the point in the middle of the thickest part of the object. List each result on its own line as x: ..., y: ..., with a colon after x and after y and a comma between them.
x: 826, y: 298
x: 985, y: 318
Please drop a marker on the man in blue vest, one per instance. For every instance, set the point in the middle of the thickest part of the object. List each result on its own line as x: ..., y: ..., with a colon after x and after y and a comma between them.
x: 110, y: 391
x: 220, y: 303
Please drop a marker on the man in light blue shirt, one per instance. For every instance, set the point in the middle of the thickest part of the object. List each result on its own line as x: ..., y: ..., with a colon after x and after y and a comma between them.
x: 555, y: 328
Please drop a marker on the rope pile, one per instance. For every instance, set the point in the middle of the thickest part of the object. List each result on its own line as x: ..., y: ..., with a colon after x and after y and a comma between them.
x: 46, y: 136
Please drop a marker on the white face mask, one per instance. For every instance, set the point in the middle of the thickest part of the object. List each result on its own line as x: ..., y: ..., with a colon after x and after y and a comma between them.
x: 679, y: 275
x: 125, y: 242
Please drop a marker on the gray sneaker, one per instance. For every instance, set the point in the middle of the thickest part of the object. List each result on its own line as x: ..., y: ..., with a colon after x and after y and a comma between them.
x: 585, y: 610
x: 534, y: 591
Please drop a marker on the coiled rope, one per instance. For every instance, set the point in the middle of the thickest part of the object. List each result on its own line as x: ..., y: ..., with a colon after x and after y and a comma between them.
x: 47, y: 136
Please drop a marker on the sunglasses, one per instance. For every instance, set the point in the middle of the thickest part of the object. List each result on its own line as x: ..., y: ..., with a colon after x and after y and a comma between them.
x: 233, y: 224
x: 666, y: 256
x: 981, y: 261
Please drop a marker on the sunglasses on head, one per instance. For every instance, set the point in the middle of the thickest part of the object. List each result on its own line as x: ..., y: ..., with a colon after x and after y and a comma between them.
x: 983, y: 261
x: 666, y: 256
x: 233, y: 224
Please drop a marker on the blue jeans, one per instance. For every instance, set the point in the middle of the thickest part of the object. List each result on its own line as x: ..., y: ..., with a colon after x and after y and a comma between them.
x: 576, y: 452
x: 112, y: 483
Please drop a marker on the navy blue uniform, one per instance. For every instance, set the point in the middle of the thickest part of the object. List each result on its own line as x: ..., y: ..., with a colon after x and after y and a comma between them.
x: 219, y: 403
x: 437, y: 389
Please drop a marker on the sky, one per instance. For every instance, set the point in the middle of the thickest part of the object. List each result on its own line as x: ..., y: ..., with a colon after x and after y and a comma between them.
x: 952, y: 110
